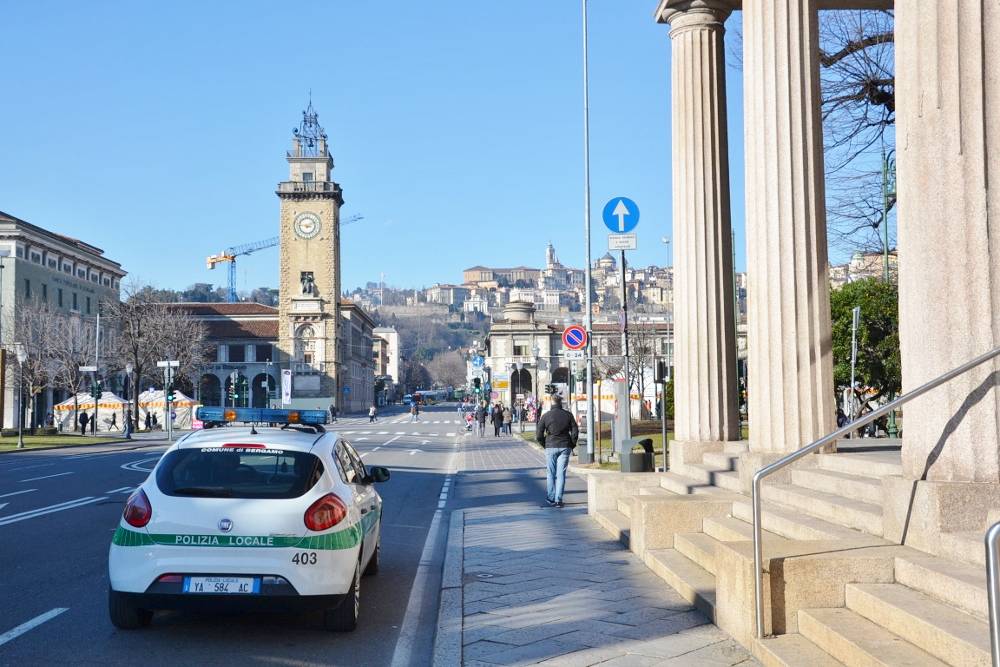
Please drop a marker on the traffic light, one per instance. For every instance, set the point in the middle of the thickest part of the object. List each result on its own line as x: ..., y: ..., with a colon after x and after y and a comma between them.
x: 477, y: 385
x: 97, y: 389
x: 660, y: 373
x: 170, y: 394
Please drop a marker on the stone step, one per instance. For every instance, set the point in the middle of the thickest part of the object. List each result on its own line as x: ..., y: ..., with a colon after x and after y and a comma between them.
x: 691, y: 581
x: 854, y: 640
x: 736, y: 447
x: 967, y: 546
x: 835, y: 509
x: 869, y: 464
x: 793, y: 650
x: 653, y: 491
x: 625, y: 506
x: 948, y: 634
x: 678, y: 483
x: 792, y: 523
x: 721, y: 460
x: 958, y: 584
x: 846, y: 485
x: 707, y: 474
x: 727, y: 529
x: 699, y: 549
x: 731, y: 529
x: 615, y: 523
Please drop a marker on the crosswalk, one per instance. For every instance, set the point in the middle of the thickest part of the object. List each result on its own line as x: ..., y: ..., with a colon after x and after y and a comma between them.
x: 427, y: 434
x: 364, y: 420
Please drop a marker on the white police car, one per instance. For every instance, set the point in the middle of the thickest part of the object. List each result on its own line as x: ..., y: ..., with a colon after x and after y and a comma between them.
x: 235, y: 518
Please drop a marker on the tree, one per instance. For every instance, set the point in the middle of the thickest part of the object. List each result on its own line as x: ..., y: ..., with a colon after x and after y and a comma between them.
x: 858, y: 109
x: 73, y: 343
x: 857, y: 79
x: 150, y: 331
x: 415, y: 376
x: 447, y: 368
x: 34, y: 326
x: 878, y: 368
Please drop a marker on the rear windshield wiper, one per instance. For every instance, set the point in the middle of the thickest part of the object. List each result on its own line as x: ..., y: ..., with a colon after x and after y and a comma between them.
x: 207, y: 491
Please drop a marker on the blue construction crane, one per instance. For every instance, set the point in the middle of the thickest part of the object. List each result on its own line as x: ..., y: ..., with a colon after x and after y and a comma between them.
x: 230, y: 254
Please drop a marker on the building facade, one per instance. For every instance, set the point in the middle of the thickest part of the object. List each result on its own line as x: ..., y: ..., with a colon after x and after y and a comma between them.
x: 67, y: 275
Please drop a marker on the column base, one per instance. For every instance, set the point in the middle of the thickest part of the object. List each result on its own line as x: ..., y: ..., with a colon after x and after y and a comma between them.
x: 917, y: 513
x: 692, y: 451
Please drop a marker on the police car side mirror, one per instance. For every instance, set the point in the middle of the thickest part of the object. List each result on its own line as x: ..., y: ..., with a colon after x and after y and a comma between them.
x: 378, y: 474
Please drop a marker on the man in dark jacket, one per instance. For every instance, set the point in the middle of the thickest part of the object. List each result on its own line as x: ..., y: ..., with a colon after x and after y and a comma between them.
x: 557, y: 432
x: 481, y: 419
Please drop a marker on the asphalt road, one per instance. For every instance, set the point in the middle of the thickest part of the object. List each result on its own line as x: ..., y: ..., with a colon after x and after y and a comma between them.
x: 59, y: 508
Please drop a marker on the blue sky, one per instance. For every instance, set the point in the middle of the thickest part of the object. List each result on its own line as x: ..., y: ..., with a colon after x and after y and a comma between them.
x: 157, y: 131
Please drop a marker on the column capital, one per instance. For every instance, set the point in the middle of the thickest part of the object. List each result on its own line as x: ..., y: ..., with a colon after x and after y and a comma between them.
x: 682, y: 14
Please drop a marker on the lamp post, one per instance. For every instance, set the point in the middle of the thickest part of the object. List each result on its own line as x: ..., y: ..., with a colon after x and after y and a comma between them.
x: 22, y: 356
x: 129, y: 414
x: 588, y: 317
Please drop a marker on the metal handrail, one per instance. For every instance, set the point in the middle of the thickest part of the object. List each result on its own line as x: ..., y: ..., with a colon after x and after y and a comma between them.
x: 993, y: 590
x: 758, y: 557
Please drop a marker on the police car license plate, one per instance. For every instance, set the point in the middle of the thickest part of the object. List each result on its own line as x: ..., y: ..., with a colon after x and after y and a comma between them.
x: 222, y: 585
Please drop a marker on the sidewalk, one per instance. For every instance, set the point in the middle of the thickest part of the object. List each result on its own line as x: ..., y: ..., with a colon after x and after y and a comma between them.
x: 526, y: 585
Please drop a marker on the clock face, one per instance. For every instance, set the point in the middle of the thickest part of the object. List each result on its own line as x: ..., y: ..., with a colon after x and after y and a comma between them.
x: 307, y: 225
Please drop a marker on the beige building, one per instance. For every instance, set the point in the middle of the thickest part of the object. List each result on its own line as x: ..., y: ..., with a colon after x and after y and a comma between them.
x: 310, y: 269
x: 66, y: 274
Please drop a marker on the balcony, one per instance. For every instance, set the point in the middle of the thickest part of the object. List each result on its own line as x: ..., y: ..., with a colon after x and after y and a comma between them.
x: 305, y: 187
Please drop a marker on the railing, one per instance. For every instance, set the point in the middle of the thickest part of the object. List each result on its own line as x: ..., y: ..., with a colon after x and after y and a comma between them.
x: 993, y: 590
x: 308, y: 186
x: 758, y: 557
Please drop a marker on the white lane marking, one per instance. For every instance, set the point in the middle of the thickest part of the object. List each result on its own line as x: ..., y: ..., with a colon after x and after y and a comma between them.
x: 390, y: 441
x: 376, y: 449
x: 400, y: 432
x: 424, y: 442
x: 121, y: 490
x: 17, y: 493
x: 441, y: 504
x: 35, y: 479
x: 33, y: 623
x: 31, y: 514
x: 416, y: 451
x: 383, y: 433
x: 2, y: 505
x: 39, y: 465
x: 136, y: 466
x: 359, y: 439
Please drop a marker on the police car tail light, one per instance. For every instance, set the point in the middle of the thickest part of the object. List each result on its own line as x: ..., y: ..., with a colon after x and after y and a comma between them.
x: 138, y: 511
x: 325, y: 513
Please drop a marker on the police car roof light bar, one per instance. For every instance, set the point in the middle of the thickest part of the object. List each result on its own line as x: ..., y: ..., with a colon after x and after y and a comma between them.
x: 220, y: 415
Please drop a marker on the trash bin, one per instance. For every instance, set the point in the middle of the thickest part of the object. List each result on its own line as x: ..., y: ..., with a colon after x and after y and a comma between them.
x: 632, y: 461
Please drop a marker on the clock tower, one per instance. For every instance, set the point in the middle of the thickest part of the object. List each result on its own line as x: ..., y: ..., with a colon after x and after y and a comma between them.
x: 309, y: 282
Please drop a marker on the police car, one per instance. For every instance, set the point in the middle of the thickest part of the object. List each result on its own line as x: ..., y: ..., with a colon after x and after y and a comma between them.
x: 280, y: 519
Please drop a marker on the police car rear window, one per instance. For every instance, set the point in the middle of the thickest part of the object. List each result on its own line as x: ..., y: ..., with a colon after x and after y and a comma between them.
x: 238, y: 472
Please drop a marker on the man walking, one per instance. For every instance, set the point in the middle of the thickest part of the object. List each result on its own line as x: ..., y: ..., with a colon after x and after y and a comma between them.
x: 128, y: 425
x: 557, y: 432
x: 372, y: 413
x: 481, y: 419
x: 333, y: 412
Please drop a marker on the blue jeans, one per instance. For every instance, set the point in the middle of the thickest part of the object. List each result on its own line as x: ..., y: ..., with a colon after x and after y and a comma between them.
x: 556, y: 462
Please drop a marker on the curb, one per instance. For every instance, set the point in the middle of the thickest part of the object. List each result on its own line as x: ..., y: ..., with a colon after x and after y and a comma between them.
x: 448, y: 638
x: 45, y: 449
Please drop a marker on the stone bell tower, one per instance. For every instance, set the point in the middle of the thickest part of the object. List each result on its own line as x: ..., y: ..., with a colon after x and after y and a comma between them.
x: 309, y: 282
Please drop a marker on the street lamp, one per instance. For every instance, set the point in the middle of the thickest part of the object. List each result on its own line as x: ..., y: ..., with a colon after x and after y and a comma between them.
x: 129, y: 415
x: 22, y: 356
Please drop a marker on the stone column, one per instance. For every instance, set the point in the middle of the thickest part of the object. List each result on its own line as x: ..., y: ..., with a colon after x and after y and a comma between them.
x: 948, y: 157
x: 704, y: 325
x: 790, y: 393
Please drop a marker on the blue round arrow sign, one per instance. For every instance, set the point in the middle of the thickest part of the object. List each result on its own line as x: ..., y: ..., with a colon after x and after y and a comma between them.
x: 621, y: 215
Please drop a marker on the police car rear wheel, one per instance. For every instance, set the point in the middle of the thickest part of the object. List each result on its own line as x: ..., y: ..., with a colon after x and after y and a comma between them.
x: 344, y: 618
x: 124, y: 614
x: 372, y: 567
